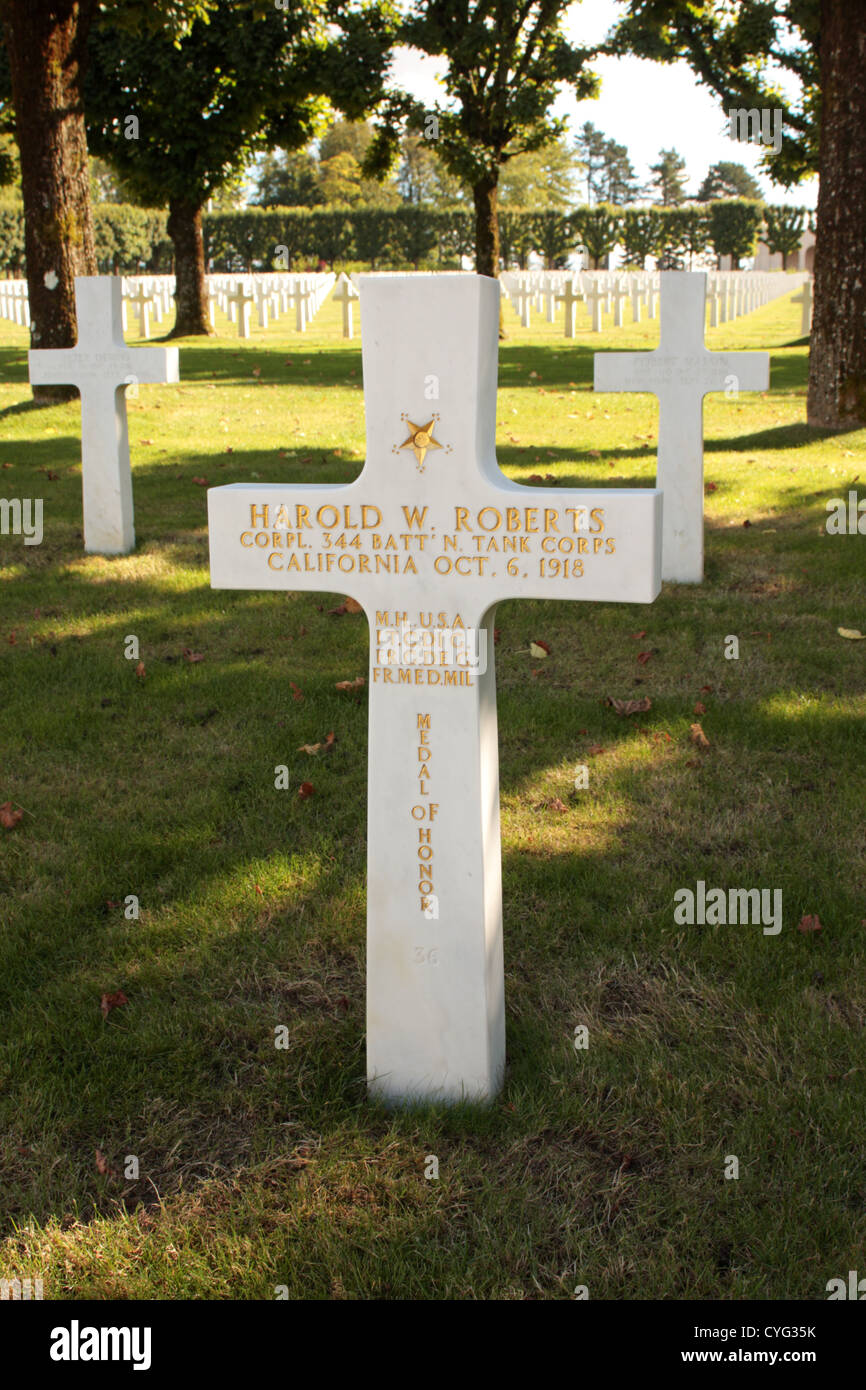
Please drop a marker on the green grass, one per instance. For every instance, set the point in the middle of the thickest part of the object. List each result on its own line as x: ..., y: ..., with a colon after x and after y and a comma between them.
x: 261, y: 1167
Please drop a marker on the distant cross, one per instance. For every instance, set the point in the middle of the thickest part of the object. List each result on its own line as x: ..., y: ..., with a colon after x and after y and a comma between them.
x: 242, y: 303
x: 142, y: 301
x: 595, y: 298
x: 619, y: 294
x: 570, y: 296
x: 805, y: 298
x: 524, y: 303
x: 681, y: 371
x: 101, y: 366
x: 638, y: 294
x: 346, y: 295
x: 434, y: 550
x: 303, y: 313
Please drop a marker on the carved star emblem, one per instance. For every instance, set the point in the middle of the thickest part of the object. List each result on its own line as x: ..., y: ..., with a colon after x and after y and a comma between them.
x: 420, y: 440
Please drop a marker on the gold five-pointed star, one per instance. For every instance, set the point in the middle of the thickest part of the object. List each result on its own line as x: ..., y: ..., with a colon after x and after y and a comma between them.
x: 420, y: 440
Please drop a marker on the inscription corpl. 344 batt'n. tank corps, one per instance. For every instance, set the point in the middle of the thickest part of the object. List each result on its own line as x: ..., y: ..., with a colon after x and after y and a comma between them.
x: 358, y: 538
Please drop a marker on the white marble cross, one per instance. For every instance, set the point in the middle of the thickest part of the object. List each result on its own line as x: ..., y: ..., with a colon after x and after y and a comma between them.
x: 241, y: 303
x: 428, y: 539
x: 570, y: 296
x: 681, y: 371
x: 102, y: 366
x: 346, y: 295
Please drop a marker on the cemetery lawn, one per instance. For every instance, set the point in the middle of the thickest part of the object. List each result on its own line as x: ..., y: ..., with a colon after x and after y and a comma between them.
x: 259, y: 1167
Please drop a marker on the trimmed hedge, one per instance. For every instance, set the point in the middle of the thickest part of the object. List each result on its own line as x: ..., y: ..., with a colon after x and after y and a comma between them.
x: 131, y: 240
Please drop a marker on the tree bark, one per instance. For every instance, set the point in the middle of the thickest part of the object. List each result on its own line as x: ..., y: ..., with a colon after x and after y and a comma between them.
x: 46, y: 46
x: 837, y: 357
x: 485, y: 195
x: 190, y: 295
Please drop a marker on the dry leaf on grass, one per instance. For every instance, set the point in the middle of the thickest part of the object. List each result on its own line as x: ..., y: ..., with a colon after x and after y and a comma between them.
x: 851, y: 633
x: 324, y: 747
x: 140, y: 671
x: 192, y: 657
x: 356, y: 684
x: 9, y: 817
x: 699, y: 708
x: 643, y: 658
x: 103, y: 1166
x: 296, y: 694
x: 624, y: 707
x: 305, y: 790
x: 698, y: 737
x: 539, y: 649
x: 112, y: 1001
x: 809, y: 922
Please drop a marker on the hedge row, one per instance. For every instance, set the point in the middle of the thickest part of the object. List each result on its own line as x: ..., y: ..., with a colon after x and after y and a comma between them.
x: 131, y: 239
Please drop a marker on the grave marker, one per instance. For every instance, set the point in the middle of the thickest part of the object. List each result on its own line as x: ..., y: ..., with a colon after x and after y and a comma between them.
x: 681, y: 371
x: 101, y: 365
x: 430, y: 537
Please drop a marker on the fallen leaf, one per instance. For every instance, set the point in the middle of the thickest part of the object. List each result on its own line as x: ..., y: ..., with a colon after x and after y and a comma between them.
x: 140, y: 671
x: 356, y: 684
x: 747, y: 523
x: 8, y: 816
x: 710, y: 487
x: 305, y: 790
x: 698, y: 737
x: 539, y: 649
x: 699, y: 708
x: 851, y: 633
x: 353, y: 606
x: 624, y: 707
x: 296, y: 694
x: 596, y: 748
x: 257, y: 371
x: 636, y: 636
x: 203, y: 482
x: 809, y: 923
x: 643, y: 658
x: 112, y: 1001
x: 13, y: 640
x: 103, y: 1166
x: 192, y: 657
x: 259, y: 890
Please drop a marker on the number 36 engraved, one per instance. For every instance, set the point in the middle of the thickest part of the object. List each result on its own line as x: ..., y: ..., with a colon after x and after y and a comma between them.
x: 426, y: 955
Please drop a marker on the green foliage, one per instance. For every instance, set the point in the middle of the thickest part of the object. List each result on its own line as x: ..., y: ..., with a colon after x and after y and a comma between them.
x: 641, y: 234
x: 734, y: 227
x: 504, y: 68
x: 783, y: 229
x: 734, y: 48
x: 543, y: 178
x: 12, y: 239
x: 129, y: 240
x: 670, y: 178
x: 598, y: 230
x: 728, y: 179
x: 244, y: 78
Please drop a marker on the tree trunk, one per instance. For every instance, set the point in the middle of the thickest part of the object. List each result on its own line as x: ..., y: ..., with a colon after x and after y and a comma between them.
x: 485, y: 195
x: 837, y: 357
x: 46, y: 46
x: 190, y: 295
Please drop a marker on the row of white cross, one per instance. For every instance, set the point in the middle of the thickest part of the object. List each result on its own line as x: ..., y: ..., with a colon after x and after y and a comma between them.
x: 271, y: 295
x: 680, y: 372
x: 730, y: 294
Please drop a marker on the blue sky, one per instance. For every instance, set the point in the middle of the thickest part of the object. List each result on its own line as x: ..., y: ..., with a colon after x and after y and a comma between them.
x: 644, y: 106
